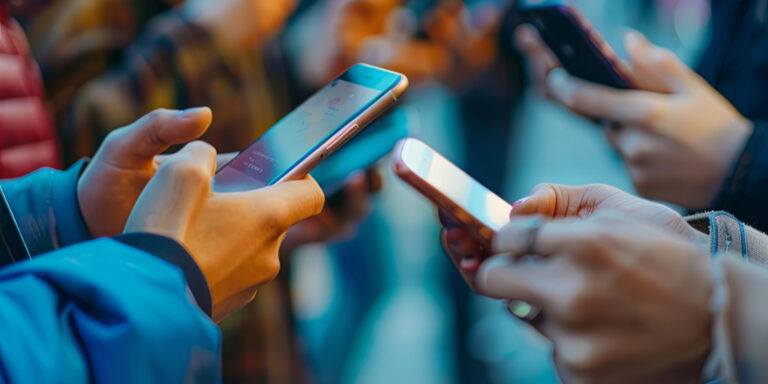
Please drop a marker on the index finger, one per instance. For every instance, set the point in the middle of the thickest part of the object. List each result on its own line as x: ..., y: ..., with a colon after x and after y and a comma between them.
x: 290, y: 202
x: 522, y: 236
x: 503, y: 277
x: 625, y: 107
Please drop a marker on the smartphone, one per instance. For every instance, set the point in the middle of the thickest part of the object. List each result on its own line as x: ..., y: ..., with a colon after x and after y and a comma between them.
x: 12, y: 246
x: 365, y: 149
x: 313, y: 131
x: 451, y: 189
x: 578, y: 46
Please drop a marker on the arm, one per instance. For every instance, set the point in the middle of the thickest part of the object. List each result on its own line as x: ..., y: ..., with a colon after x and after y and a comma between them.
x: 103, y: 310
x: 742, y: 193
x: 740, y: 258
x: 46, y: 208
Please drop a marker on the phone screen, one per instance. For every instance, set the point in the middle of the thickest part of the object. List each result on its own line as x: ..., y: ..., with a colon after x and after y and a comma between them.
x: 305, y: 129
x: 455, y: 184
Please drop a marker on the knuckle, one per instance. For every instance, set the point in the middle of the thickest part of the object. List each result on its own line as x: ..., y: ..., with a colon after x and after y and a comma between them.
x: 114, y: 138
x: 203, y: 147
x: 577, y: 307
x: 582, y: 361
x: 637, y: 156
x: 187, y: 172
x: 272, y: 267
x: 655, y: 115
x: 157, y: 115
x: 665, y: 58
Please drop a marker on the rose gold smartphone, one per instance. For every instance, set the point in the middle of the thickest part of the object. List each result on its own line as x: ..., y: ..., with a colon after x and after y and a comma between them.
x: 318, y: 127
x: 452, y: 190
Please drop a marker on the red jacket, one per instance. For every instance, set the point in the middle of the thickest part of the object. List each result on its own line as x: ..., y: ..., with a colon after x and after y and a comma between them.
x: 27, y: 138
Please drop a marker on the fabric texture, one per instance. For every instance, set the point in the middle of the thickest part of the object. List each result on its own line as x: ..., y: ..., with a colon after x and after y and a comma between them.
x: 736, y: 64
x: 174, y: 253
x: 102, y: 311
x: 27, y: 138
x: 729, y: 235
x: 46, y: 208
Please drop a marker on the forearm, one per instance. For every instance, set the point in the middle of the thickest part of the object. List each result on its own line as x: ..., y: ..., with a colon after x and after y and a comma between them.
x: 46, y: 208
x: 101, y: 310
x: 742, y: 193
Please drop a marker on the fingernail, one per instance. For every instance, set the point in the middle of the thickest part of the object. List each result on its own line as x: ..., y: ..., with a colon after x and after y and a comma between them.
x: 190, y: 112
x: 520, y: 201
x: 469, y: 264
x: 561, y: 85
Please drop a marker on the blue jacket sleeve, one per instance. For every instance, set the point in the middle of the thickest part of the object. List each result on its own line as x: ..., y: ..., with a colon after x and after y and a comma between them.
x: 46, y: 208
x: 744, y: 191
x: 103, y: 311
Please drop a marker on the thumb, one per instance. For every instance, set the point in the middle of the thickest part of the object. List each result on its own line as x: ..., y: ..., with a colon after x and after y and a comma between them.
x: 290, y: 202
x: 543, y: 201
x: 658, y: 66
x: 558, y: 201
x: 136, y: 145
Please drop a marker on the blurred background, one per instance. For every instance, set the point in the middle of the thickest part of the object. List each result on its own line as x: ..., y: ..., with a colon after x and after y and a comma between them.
x: 384, y: 305
x: 389, y: 307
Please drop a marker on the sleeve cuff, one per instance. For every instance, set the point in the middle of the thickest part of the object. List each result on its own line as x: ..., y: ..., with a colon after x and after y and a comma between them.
x: 70, y: 225
x: 174, y: 253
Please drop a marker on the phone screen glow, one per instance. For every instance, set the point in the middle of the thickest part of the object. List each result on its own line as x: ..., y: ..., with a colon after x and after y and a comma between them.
x: 451, y: 181
x: 296, y: 136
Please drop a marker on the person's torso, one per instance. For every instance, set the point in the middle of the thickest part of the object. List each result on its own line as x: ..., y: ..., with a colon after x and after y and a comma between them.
x: 736, y: 60
x: 27, y: 140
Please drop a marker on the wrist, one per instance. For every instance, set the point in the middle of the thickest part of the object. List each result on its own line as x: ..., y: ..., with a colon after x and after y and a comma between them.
x: 174, y: 253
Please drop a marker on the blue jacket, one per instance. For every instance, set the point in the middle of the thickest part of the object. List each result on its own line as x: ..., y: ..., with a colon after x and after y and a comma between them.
x: 108, y: 310
x: 736, y: 64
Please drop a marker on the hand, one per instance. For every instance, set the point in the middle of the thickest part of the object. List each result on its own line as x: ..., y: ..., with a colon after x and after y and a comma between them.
x: 462, y: 247
x: 126, y: 161
x: 240, y: 24
x: 677, y: 135
x: 554, y: 201
x: 622, y: 301
x: 233, y: 237
x: 341, y: 215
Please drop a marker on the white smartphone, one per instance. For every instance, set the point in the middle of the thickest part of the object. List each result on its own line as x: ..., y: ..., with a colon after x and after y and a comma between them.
x: 451, y: 189
x: 319, y: 126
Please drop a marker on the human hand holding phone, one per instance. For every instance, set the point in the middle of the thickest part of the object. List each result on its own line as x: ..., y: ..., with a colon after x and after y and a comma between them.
x: 233, y: 237
x: 471, y: 213
x: 678, y: 136
x: 341, y: 215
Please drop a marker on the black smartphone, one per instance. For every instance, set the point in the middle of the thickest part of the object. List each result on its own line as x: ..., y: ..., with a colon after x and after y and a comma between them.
x: 580, y: 48
x: 12, y: 246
